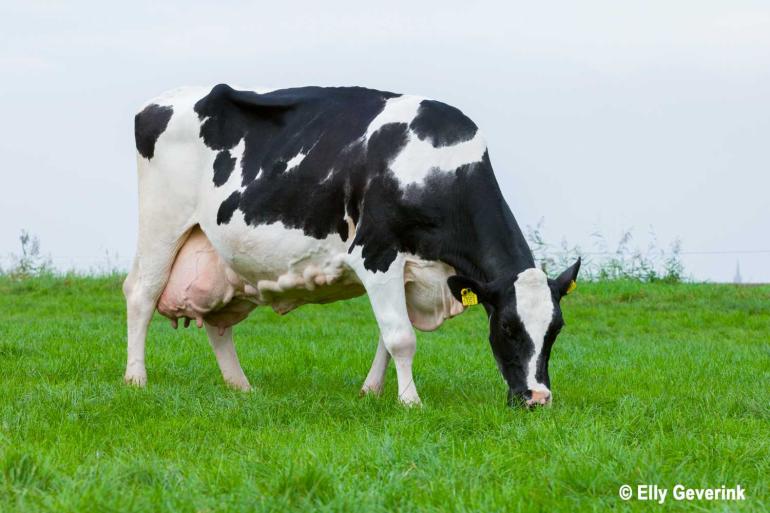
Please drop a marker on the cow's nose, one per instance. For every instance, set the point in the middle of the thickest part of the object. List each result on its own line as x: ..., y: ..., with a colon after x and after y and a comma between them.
x: 529, y: 398
x: 539, y: 398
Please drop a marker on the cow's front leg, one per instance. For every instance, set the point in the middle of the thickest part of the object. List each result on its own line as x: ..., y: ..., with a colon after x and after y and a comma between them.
x: 375, y: 380
x: 227, y: 358
x: 388, y: 300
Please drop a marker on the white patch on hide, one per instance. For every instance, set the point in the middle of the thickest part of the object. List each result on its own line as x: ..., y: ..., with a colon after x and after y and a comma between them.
x: 534, y: 305
x: 295, y: 161
x: 419, y: 157
x: 401, y: 109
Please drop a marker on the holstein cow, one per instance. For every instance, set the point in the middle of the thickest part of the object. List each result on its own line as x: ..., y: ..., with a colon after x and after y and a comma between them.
x: 313, y: 194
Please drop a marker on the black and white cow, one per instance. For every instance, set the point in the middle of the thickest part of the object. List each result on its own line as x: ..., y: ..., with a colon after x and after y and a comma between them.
x: 311, y: 195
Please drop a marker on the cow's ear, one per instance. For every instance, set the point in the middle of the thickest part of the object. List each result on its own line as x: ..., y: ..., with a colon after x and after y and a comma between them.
x: 567, y: 281
x: 469, y: 291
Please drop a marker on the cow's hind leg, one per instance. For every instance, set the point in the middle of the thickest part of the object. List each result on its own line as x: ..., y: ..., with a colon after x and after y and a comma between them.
x: 224, y: 350
x: 388, y: 300
x: 375, y: 380
x: 170, y: 167
x: 142, y: 288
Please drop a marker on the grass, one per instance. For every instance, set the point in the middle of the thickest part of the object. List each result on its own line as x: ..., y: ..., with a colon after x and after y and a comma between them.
x: 659, y: 384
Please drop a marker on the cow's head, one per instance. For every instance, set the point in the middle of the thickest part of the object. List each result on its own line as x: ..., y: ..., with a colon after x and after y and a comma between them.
x: 524, y: 320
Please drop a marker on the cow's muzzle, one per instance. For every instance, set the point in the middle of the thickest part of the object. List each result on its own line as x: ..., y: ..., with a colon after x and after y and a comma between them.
x: 529, y: 398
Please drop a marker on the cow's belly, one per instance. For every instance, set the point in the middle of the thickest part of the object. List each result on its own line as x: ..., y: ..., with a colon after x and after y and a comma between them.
x: 261, y: 265
x: 220, y: 276
x: 286, y: 267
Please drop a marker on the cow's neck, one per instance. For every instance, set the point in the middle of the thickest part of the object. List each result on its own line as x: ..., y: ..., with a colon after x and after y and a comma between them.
x: 490, y: 245
x: 496, y: 253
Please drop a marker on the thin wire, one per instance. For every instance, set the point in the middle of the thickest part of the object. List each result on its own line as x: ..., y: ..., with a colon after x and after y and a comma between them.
x: 733, y: 252
x: 728, y: 252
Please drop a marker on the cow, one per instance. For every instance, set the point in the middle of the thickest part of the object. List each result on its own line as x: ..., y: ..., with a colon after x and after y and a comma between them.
x: 316, y: 194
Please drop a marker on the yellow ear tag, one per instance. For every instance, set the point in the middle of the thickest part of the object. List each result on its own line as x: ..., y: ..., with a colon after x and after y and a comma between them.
x: 572, y: 286
x: 469, y: 297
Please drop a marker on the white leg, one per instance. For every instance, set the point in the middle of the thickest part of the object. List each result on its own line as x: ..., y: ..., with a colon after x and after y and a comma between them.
x: 388, y: 300
x: 224, y: 350
x: 139, y: 309
x: 168, y: 186
x: 142, y: 288
x: 376, y: 377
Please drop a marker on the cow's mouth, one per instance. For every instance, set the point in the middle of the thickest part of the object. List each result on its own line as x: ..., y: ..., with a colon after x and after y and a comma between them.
x: 528, y: 399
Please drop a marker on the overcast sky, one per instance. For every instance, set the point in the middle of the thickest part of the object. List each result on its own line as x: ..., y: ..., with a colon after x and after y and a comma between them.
x: 600, y: 115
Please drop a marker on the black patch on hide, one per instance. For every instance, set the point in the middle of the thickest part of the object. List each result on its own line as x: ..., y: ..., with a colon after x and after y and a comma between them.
x: 223, y: 167
x: 148, y: 125
x: 228, y: 206
x: 442, y: 124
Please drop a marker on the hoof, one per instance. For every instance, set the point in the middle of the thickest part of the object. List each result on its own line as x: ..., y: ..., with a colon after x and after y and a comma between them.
x: 410, y: 402
x: 135, y: 380
x: 240, y: 385
x: 373, y: 389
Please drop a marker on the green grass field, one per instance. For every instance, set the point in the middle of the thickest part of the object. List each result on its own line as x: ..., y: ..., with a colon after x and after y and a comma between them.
x: 659, y: 384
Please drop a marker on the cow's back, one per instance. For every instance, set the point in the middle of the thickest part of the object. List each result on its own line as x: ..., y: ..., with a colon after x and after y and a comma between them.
x: 321, y: 159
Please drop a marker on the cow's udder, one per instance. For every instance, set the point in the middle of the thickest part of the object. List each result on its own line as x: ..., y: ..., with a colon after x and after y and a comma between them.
x: 202, y: 287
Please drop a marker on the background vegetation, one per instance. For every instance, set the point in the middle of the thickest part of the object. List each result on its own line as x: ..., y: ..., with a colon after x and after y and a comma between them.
x: 624, y: 260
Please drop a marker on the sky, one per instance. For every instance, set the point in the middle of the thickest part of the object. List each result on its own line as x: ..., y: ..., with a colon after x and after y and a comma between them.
x: 601, y: 116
